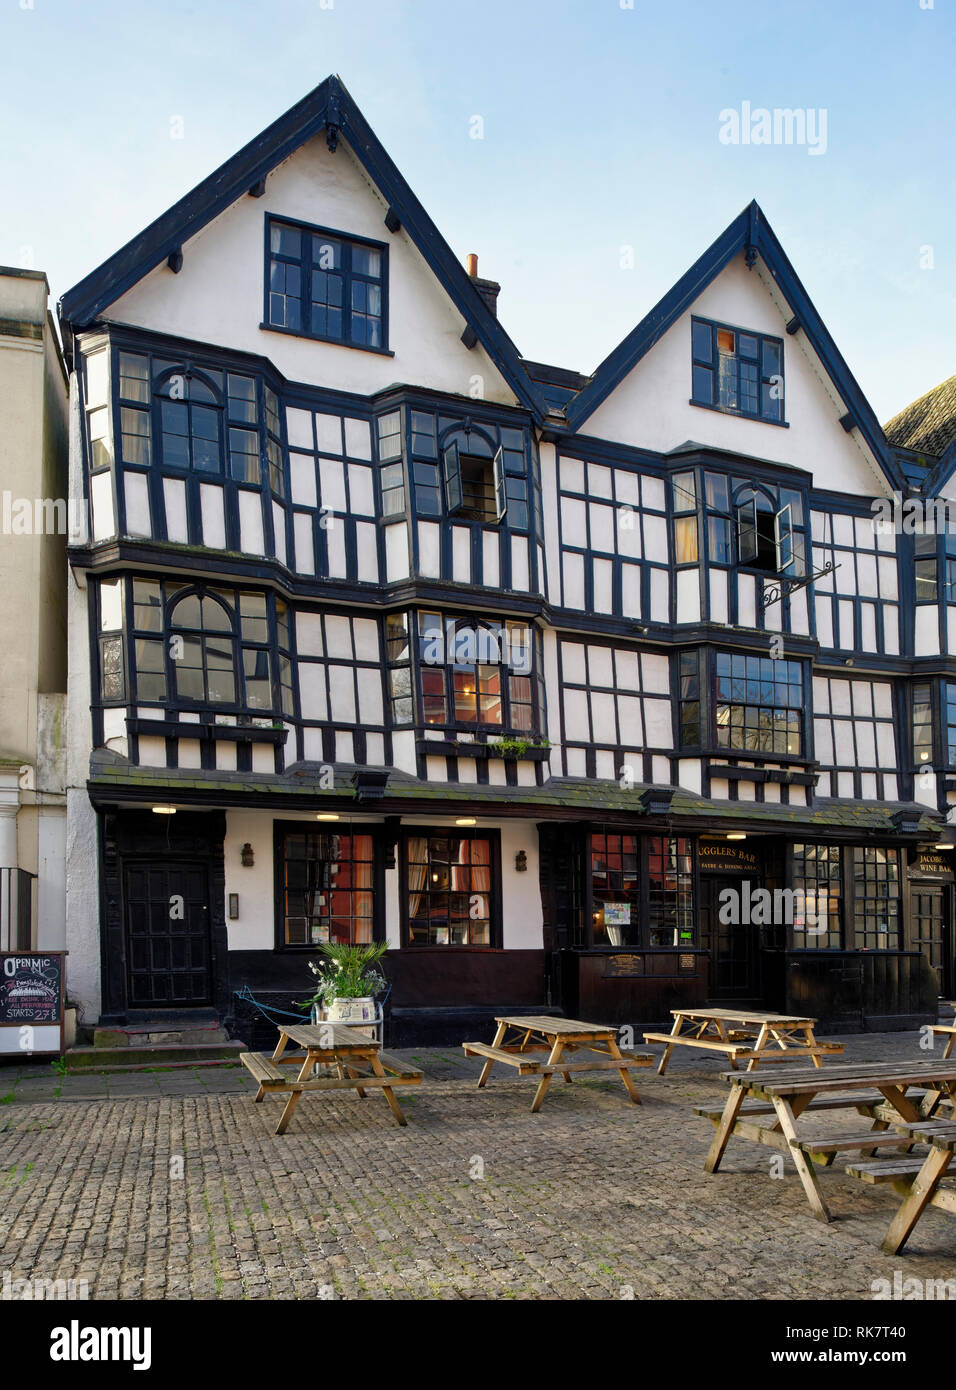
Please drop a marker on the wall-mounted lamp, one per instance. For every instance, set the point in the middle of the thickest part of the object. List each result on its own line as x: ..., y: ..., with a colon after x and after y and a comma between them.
x: 247, y: 856
x: 233, y: 906
x: 521, y: 861
x: 164, y: 810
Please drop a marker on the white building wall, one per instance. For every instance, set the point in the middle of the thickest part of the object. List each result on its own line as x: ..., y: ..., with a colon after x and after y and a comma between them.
x: 218, y: 295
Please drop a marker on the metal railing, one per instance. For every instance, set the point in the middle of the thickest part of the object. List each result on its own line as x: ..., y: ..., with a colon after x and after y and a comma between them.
x: 16, y: 909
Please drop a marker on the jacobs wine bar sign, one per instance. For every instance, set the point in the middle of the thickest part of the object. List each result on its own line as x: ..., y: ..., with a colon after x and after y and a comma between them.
x: 723, y: 857
x: 931, y: 863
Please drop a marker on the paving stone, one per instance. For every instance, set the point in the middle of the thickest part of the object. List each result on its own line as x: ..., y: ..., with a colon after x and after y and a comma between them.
x: 591, y: 1199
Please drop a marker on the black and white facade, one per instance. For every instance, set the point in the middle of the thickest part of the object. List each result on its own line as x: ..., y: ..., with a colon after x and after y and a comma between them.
x: 380, y: 631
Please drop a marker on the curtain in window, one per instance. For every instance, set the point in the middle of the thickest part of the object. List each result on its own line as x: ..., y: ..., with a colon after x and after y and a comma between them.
x: 480, y: 872
x: 417, y: 869
x: 362, y: 880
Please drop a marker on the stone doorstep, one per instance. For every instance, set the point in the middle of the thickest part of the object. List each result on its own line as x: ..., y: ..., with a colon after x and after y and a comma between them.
x: 154, y: 1034
x: 143, y: 1055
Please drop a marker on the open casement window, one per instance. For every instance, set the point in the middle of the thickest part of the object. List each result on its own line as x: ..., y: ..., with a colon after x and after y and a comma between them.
x: 766, y: 539
x: 452, y: 466
x: 475, y: 488
x: 501, y: 498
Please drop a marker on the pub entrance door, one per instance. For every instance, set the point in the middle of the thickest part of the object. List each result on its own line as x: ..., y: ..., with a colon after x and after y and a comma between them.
x: 734, y: 945
x: 168, y: 940
x: 932, y: 907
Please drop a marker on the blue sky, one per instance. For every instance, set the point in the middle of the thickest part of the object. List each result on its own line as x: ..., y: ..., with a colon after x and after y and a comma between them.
x: 601, y: 130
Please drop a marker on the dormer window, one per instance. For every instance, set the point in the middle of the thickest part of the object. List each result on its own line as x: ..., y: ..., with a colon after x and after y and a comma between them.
x: 321, y: 284
x: 735, y: 371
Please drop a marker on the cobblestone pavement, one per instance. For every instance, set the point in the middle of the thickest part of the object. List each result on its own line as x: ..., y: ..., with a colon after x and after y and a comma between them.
x: 171, y: 1184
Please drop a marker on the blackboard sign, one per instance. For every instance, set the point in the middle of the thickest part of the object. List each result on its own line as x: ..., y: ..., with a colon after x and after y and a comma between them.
x: 31, y: 988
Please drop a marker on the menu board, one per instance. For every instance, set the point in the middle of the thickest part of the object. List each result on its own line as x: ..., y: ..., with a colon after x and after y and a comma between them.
x: 31, y: 988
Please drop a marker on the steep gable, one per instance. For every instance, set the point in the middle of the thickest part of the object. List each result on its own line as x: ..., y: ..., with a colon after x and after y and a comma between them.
x: 641, y: 394
x: 319, y: 163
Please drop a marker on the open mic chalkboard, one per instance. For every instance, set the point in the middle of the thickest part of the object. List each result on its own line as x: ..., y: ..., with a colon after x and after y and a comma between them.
x: 31, y: 988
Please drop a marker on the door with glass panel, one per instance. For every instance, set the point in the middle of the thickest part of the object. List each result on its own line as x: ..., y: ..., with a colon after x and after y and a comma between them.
x: 733, y: 944
x: 932, y: 929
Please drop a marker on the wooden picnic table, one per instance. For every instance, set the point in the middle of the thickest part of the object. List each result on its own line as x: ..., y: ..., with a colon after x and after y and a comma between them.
x: 556, y: 1036
x: 743, y: 1035
x: 878, y: 1090
x: 357, y: 1059
x: 947, y: 1031
x: 917, y: 1178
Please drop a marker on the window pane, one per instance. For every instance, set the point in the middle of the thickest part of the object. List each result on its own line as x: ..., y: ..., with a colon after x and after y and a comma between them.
x: 703, y: 342
x: 285, y: 240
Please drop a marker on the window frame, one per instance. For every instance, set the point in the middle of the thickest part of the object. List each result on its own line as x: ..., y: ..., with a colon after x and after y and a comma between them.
x: 348, y: 240
x: 280, y: 828
x: 281, y: 656
x: 852, y: 939
x: 763, y: 380
x: 454, y: 726
x: 445, y: 832
x: 642, y: 936
x: 722, y: 750
x: 707, y: 701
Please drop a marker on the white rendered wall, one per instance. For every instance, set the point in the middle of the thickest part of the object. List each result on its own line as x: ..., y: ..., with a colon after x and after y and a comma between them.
x: 254, y: 929
x: 651, y: 406
x: 217, y: 297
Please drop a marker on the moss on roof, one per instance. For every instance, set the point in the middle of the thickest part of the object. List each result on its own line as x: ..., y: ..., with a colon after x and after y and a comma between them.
x: 928, y: 425
x: 110, y: 776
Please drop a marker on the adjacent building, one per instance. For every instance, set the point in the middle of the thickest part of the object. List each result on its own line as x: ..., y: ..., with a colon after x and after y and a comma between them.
x: 34, y: 522
x: 382, y: 631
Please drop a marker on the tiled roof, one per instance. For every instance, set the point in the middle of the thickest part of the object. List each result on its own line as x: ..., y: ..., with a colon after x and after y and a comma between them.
x: 110, y: 776
x: 929, y: 424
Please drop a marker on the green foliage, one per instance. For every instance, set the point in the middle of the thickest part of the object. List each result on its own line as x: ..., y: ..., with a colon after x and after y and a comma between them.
x: 59, y: 1066
x: 347, y: 972
x: 515, y: 747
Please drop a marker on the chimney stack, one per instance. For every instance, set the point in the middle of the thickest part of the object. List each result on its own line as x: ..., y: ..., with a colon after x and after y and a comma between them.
x: 488, y: 289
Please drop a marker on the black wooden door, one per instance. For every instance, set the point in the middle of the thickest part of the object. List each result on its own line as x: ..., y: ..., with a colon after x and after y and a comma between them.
x: 931, y: 929
x: 733, y: 946
x: 167, y: 934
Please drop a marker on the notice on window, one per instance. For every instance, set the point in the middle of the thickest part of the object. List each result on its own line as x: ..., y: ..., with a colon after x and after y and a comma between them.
x: 617, y: 914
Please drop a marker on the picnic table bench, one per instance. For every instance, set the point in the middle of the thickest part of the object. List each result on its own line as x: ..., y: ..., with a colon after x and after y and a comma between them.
x: 917, y: 1178
x: 743, y: 1035
x: 359, y: 1063
x: 556, y: 1036
x: 884, y: 1091
x: 947, y: 1031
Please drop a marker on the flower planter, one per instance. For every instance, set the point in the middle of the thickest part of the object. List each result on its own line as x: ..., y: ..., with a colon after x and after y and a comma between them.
x: 351, y: 1010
